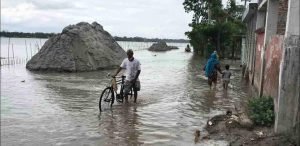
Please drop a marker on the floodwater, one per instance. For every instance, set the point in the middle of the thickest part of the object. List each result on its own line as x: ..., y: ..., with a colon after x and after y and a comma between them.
x: 62, y: 108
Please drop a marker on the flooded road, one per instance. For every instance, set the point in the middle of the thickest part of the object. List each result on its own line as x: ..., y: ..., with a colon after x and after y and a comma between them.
x: 62, y: 108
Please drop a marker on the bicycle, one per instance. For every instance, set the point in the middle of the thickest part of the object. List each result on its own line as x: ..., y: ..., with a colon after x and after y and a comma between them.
x: 108, y: 94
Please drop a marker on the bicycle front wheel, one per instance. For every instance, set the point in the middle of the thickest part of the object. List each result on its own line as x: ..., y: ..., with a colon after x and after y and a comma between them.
x: 106, y: 99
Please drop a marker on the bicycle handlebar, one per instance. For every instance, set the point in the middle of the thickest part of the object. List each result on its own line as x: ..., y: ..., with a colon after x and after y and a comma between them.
x: 109, y: 75
x: 119, y: 77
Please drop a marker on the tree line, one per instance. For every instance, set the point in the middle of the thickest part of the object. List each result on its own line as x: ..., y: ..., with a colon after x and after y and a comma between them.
x: 141, y: 39
x: 117, y: 38
x: 26, y: 34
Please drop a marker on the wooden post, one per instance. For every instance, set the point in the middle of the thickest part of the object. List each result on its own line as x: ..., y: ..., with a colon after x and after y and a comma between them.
x: 30, y: 50
x: 38, y: 47
x: 8, y: 50
x: 26, y: 51
x: 12, y: 47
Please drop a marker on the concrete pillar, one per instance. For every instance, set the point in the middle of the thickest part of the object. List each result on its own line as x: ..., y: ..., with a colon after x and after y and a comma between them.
x: 253, y: 43
x: 246, y: 52
x: 253, y: 50
x: 287, y: 117
x: 243, y: 51
x: 249, y: 43
x: 260, y: 19
x: 270, y: 29
x: 292, y: 26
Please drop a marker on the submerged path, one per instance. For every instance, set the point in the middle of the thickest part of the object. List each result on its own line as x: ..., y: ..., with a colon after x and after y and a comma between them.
x: 62, y: 108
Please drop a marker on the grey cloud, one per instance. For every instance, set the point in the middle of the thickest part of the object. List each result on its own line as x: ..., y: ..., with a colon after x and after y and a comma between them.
x: 41, y: 4
x: 53, y: 4
x: 150, y: 18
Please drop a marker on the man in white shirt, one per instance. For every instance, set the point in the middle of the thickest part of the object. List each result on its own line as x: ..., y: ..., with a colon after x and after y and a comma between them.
x: 132, y: 68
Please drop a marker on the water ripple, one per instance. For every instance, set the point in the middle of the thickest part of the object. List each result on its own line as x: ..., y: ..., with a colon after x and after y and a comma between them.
x: 62, y: 108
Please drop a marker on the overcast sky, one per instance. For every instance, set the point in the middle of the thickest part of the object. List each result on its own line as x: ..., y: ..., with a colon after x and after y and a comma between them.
x: 145, y: 18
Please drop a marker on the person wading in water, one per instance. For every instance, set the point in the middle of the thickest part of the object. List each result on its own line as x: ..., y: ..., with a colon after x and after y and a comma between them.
x: 132, y: 68
x: 211, y: 69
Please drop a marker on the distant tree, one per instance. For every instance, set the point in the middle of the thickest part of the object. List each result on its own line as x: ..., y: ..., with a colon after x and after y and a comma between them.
x: 141, y: 39
x: 124, y: 38
x: 199, y: 9
x: 26, y: 35
x: 214, y: 26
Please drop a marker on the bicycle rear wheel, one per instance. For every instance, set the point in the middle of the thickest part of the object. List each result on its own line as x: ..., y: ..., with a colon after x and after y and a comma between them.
x: 106, y: 99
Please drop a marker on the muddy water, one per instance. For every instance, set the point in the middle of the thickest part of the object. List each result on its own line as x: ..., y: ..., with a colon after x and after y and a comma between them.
x: 62, y: 108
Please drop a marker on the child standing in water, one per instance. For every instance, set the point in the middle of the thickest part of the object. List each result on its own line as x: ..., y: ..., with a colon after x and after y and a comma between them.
x: 226, y: 76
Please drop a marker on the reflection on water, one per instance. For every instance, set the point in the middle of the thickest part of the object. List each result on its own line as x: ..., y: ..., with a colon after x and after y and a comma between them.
x: 62, y: 108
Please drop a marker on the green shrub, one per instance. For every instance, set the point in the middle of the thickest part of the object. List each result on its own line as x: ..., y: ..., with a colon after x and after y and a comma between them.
x: 261, y: 110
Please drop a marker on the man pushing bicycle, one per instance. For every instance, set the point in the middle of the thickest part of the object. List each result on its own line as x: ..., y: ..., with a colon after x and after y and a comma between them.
x: 132, y: 68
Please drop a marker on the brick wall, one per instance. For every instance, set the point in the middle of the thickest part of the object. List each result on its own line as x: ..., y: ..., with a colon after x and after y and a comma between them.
x: 272, y: 59
x: 282, y: 15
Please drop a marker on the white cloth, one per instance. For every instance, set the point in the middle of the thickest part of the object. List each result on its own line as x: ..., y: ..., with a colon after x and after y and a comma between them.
x: 114, y: 84
x: 226, y: 75
x: 131, y: 68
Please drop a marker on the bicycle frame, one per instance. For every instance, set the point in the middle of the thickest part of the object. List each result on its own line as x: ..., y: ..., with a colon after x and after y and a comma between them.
x: 110, y: 94
x: 120, y: 80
